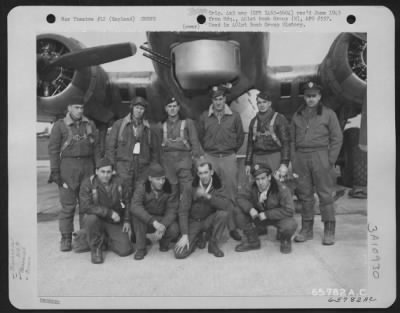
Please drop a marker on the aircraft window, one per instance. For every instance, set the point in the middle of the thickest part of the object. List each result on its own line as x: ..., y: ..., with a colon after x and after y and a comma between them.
x: 286, y: 90
x: 301, y: 88
x: 124, y: 93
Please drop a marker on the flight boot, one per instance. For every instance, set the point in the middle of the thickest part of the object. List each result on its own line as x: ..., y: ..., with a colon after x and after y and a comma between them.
x: 329, y: 233
x: 306, y: 232
x: 97, y: 255
x: 286, y: 245
x: 214, y: 249
x: 250, y: 241
x: 235, y: 235
x: 66, y: 242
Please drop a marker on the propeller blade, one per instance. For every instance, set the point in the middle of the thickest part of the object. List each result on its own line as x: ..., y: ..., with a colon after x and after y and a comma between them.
x: 94, y: 56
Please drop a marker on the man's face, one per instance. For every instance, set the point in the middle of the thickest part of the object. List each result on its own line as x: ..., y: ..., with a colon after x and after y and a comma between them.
x: 172, y: 109
x: 263, y: 181
x: 76, y: 110
x: 138, y: 111
x: 312, y: 97
x: 104, y: 174
x: 263, y: 105
x: 205, y: 173
x: 218, y: 103
x: 157, y: 182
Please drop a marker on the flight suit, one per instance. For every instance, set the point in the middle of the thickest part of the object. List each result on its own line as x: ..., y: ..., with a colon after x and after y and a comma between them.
x: 221, y: 139
x: 73, y: 150
x: 262, y: 147
x: 148, y: 206
x: 97, y: 204
x: 317, y: 139
x: 132, y: 167
x: 179, y: 146
x: 205, y: 216
x: 278, y: 208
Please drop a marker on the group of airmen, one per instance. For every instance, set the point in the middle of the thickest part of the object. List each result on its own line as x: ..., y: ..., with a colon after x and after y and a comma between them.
x: 179, y: 179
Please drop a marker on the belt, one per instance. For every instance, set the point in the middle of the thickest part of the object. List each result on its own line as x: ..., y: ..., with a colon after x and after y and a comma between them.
x: 311, y: 149
x: 77, y: 157
x: 220, y: 155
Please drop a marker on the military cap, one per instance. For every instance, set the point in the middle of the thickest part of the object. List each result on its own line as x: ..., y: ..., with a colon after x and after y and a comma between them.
x: 220, y: 90
x: 103, y: 162
x: 264, y: 95
x: 311, y: 86
x: 258, y: 169
x: 170, y: 100
x: 156, y: 170
x: 139, y: 101
x: 77, y: 99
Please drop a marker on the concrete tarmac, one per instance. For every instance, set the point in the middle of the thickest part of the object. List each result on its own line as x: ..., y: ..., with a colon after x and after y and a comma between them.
x: 264, y: 272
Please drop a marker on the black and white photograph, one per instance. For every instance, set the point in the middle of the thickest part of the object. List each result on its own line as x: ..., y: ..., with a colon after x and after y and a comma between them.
x: 201, y: 165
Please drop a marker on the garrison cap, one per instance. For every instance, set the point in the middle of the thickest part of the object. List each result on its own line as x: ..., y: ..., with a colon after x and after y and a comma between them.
x: 103, y: 162
x: 311, y: 85
x: 156, y: 170
x: 258, y: 169
x: 264, y: 95
x: 220, y: 90
x: 139, y: 101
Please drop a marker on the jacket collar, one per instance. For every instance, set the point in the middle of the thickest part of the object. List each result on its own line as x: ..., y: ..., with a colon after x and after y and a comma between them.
x: 69, y: 121
x: 227, y: 110
x: 216, y: 182
x: 303, y: 106
x: 128, y: 119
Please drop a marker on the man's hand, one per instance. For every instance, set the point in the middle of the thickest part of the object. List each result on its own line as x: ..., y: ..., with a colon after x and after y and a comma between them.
x: 159, y: 227
x: 115, y: 217
x: 182, y: 244
x: 247, y: 170
x: 262, y: 216
x: 55, y: 177
x: 283, y: 170
x: 253, y: 213
x: 263, y: 196
x: 281, y: 173
x: 126, y: 228
x: 201, y: 193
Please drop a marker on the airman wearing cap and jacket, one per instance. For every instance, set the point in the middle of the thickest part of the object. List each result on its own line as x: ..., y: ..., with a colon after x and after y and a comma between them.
x: 270, y: 202
x: 132, y: 145
x: 316, y: 139
x: 269, y: 138
x: 106, y: 218
x: 180, y: 145
x: 208, y: 214
x: 221, y: 135
x: 153, y: 207
x: 73, y: 149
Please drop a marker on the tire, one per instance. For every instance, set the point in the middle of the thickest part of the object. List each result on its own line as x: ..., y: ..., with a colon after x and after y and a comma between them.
x: 354, y: 169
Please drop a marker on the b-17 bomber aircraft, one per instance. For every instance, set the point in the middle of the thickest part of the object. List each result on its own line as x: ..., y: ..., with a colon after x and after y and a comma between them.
x: 187, y: 64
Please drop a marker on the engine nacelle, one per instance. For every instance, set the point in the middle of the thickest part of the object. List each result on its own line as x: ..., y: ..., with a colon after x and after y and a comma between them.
x: 343, y: 72
x: 56, y: 87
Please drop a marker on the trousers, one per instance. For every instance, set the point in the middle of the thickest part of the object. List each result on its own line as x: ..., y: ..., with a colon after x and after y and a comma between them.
x: 73, y: 171
x: 314, y: 173
x: 141, y: 229
x: 99, y: 230
x: 215, y: 224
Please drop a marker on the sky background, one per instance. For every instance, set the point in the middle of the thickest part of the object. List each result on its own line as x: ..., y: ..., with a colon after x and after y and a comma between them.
x: 286, y: 48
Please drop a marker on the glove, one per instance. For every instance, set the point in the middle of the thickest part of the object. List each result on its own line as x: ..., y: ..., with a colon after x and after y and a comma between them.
x: 55, y: 177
